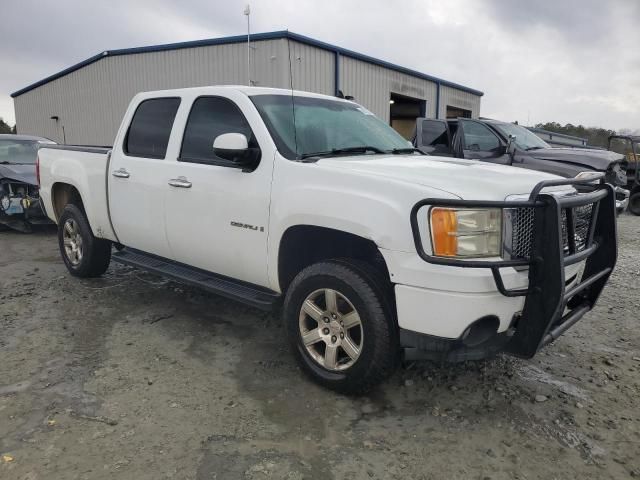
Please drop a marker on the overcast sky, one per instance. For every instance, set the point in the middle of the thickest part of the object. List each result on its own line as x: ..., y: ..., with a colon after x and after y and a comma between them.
x: 572, y: 61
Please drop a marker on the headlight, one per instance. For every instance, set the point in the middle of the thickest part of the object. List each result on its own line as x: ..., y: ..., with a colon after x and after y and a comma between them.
x: 586, y: 175
x: 465, y: 232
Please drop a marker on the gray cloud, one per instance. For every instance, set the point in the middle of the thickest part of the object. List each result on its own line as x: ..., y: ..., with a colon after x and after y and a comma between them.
x: 564, y: 60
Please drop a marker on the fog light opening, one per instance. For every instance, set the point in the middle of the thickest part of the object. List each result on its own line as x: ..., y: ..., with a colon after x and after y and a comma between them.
x: 480, y: 331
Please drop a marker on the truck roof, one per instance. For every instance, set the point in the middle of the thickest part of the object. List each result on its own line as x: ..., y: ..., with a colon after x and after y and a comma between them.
x: 249, y: 91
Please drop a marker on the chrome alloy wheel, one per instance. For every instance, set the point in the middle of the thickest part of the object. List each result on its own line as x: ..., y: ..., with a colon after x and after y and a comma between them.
x: 331, y: 329
x: 72, y: 241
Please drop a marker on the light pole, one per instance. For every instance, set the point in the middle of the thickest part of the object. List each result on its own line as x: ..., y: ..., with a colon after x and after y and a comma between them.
x: 247, y: 12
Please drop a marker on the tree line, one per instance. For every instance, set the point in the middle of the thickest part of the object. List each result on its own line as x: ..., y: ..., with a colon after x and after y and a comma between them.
x: 5, y: 128
x: 596, y: 136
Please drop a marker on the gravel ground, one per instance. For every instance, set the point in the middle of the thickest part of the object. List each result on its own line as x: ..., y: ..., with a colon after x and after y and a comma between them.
x: 132, y: 376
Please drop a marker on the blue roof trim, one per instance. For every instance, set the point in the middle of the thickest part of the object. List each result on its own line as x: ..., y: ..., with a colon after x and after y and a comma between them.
x: 240, y: 39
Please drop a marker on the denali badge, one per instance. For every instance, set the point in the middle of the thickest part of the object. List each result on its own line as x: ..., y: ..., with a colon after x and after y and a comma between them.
x: 246, y: 225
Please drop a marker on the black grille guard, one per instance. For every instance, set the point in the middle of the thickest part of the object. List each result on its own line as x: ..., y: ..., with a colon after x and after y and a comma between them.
x: 550, y: 307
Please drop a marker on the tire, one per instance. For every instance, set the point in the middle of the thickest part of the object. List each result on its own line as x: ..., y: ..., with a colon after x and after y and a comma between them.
x: 358, y: 288
x: 89, y: 256
x: 634, y: 203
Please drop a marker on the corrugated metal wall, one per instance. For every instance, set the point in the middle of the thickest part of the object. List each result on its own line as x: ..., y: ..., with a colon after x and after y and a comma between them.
x: 458, y: 98
x: 90, y: 102
x: 313, y: 69
x: 372, y: 85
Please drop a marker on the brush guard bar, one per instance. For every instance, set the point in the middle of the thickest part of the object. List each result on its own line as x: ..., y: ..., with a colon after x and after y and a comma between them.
x: 550, y: 307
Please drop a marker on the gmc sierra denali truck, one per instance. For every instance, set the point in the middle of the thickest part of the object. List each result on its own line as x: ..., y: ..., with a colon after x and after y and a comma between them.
x: 311, y: 203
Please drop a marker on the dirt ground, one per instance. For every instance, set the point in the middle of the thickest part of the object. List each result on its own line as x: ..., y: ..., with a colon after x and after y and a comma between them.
x: 132, y: 376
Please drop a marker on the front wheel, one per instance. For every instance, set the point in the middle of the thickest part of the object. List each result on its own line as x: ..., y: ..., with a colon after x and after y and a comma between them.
x: 83, y: 254
x: 340, y: 325
x: 634, y: 203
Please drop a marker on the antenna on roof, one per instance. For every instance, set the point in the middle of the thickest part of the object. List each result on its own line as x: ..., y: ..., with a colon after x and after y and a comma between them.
x: 247, y: 12
x: 293, y: 104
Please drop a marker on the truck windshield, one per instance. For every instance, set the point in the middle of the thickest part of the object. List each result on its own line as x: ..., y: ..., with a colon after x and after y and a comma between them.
x: 325, y: 127
x: 18, y: 151
x: 525, y: 139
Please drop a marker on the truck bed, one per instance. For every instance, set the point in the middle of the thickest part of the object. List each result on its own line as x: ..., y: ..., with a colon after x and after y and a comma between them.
x: 85, y: 169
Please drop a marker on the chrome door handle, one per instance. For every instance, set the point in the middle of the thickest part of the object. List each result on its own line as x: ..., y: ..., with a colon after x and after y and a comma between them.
x: 120, y: 173
x: 180, y: 182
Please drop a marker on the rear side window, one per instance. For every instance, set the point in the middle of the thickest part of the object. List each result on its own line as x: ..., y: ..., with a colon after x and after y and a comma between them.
x: 150, y: 128
x: 434, y: 133
x: 209, y: 118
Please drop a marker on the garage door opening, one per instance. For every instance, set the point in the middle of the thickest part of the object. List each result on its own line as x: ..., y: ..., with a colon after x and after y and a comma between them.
x: 457, y: 112
x: 403, y: 112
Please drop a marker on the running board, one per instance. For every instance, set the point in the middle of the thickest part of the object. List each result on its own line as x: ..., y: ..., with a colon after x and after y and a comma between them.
x: 249, y: 294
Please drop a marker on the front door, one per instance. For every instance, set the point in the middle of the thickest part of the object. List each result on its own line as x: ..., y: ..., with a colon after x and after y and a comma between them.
x: 136, y: 177
x: 478, y: 142
x: 217, y: 215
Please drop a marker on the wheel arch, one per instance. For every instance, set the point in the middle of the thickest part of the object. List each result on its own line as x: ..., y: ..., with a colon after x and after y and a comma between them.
x: 63, y: 194
x: 302, y: 245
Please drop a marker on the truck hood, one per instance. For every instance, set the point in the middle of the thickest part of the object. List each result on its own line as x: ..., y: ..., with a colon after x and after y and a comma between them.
x: 20, y: 173
x: 593, y: 159
x: 467, y: 179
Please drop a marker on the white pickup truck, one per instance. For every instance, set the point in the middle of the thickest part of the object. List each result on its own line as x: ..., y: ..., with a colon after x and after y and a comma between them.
x: 376, y: 251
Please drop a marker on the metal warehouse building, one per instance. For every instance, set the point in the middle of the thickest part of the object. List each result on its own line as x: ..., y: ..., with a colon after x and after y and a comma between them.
x: 84, y: 104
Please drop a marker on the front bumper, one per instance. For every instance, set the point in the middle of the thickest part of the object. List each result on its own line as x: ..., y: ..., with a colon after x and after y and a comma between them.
x: 23, y: 210
x: 530, y: 317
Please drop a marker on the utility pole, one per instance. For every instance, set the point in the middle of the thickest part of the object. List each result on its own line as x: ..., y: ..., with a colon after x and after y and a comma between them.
x: 247, y: 12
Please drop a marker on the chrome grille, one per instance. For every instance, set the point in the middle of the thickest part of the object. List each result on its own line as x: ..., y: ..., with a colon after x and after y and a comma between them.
x: 519, y: 230
x: 521, y: 222
x: 582, y: 221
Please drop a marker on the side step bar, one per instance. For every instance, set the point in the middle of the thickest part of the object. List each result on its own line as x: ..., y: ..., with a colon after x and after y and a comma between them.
x: 247, y: 293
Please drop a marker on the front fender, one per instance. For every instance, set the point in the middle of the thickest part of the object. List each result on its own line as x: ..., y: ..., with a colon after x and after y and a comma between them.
x: 372, y: 207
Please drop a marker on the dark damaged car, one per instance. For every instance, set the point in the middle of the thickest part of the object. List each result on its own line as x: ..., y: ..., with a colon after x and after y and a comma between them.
x: 20, y: 206
x: 510, y: 144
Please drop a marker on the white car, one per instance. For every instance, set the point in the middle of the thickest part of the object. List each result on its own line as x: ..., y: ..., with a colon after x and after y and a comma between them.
x: 376, y: 251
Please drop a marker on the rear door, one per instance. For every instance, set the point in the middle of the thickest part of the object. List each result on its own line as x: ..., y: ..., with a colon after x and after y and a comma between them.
x: 433, y: 136
x: 477, y: 141
x: 137, y: 176
x: 217, y: 215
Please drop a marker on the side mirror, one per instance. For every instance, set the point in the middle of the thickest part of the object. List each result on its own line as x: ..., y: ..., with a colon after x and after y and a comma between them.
x: 231, y: 146
x: 511, y: 146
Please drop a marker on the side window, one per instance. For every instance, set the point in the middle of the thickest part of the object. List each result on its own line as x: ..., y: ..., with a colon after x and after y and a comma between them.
x: 150, y: 128
x: 209, y: 118
x: 478, y: 137
x: 434, y: 132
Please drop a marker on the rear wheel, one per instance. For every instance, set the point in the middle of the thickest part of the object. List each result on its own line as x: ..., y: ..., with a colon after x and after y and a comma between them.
x: 83, y: 254
x: 634, y: 203
x: 340, y: 326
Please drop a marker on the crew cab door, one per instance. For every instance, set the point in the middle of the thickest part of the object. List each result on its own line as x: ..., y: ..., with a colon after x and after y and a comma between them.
x: 476, y: 141
x: 216, y: 214
x: 137, y: 175
x: 433, y: 136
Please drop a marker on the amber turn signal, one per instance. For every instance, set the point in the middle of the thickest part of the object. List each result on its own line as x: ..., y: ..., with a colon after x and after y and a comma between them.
x: 444, y: 225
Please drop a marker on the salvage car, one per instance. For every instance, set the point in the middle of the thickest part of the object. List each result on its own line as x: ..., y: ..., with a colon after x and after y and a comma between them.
x: 374, y: 251
x: 630, y: 144
x: 20, y: 206
x: 511, y: 144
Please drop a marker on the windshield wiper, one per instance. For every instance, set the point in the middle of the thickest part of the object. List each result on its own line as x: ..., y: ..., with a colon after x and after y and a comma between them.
x: 4, y: 162
x: 340, y: 151
x: 532, y: 148
x: 399, y: 151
